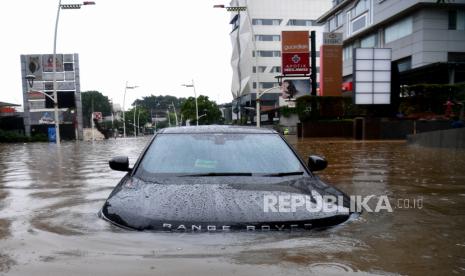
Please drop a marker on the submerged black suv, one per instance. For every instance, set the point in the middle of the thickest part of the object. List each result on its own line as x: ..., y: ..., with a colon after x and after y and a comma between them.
x: 222, y: 178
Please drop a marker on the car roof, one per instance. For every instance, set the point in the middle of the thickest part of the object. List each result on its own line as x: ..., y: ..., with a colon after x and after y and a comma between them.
x: 216, y: 129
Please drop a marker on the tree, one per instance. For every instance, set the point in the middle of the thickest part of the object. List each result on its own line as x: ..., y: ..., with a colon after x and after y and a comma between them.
x: 142, y: 117
x: 159, y: 104
x: 209, y: 113
x: 98, y: 101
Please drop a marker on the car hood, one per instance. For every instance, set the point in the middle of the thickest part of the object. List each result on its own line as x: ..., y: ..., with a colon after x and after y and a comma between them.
x: 224, y: 203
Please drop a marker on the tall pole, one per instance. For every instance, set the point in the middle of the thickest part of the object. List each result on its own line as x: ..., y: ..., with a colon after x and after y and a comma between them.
x: 54, y: 66
x: 175, y: 114
x: 196, y: 104
x: 124, y: 100
x: 92, y: 117
x: 135, y: 132
x: 124, y: 117
x: 138, y: 117
x: 313, y: 60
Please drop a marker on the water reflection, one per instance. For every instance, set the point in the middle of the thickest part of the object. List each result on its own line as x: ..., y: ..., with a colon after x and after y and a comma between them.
x: 49, y: 198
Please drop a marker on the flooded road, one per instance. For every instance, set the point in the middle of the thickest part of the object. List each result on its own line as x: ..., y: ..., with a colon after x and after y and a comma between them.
x: 49, y: 201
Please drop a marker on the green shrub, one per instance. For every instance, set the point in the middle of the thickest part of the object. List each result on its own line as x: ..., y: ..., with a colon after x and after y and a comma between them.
x: 15, y: 137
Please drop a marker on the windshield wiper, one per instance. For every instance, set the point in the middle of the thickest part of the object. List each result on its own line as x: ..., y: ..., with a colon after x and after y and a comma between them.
x: 284, y: 174
x: 219, y: 174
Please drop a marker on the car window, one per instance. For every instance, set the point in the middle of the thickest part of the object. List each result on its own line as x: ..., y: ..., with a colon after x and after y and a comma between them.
x: 219, y: 153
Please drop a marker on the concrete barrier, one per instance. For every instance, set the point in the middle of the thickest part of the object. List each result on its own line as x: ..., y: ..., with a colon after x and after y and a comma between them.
x: 450, y: 138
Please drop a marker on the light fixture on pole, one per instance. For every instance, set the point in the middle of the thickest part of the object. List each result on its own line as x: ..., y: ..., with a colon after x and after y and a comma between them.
x: 54, y: 65
x: 124, y: 100
x: 196, y: 104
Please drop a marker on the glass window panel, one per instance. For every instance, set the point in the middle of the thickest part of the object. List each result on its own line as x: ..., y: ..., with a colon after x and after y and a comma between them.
x: 364, y: 87
x: 384, y: 65
x: 359, y: 23
x: 383, y: 54
x: 382, y: 87
x: 300, y: 22
x: 69, y: 66
x: 398, y: 30
x: 269, y: 22
x: 340, y: 19
x: 364, y: 99
x: 364, y: 53
x: 364, y: 65
x: 460, y: 20
x: 369, y: 41
x: 382, y: 76
x: 364, y: 76
x: 382, y: 99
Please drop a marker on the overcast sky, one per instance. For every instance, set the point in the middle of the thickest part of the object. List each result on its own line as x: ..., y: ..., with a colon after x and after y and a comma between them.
x: 157, y: 45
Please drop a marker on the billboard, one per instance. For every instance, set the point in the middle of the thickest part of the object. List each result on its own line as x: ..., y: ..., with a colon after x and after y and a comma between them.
x: 295, y: 52
x: 292, y: 89
x: 372, y: 76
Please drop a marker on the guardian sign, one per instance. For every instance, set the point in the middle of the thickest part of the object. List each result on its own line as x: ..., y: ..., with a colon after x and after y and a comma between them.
x: 295, y: 52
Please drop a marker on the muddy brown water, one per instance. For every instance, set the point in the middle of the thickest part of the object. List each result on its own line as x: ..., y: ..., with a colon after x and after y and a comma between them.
x: 49, y: 199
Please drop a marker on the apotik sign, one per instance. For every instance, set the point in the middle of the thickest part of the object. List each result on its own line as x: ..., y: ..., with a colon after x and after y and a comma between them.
x: 295, y: 52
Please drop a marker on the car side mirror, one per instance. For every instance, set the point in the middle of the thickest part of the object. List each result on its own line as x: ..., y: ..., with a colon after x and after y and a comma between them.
x: 120, y: 163
x: 316, y: 163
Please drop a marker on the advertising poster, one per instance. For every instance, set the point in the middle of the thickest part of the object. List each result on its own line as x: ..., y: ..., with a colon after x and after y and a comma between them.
x: 291, y: 89
x: 34, y: 66
x: 47, y: 63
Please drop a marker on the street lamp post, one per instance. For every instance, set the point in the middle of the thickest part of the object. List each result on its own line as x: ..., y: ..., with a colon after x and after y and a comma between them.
x: 54, y: 65
x: 169, y: 119
x: 135, y: 129
x: 175, y: 113
x: 196, y: 104
x: 124, y: 100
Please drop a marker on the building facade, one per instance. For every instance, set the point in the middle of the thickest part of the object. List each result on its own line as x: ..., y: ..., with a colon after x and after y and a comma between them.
x: 256, y: 40
x: 38, y: 108
x: 427, y: 37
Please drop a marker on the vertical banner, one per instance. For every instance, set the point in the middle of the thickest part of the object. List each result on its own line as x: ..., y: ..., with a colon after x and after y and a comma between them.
x: 331, y: 65
x: 295, y: 52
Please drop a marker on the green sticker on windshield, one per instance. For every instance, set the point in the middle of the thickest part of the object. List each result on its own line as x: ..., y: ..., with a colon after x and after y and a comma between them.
x: 208, y: 164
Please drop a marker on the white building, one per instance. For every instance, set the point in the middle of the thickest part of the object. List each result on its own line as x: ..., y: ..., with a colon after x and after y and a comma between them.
x: 256, y: 62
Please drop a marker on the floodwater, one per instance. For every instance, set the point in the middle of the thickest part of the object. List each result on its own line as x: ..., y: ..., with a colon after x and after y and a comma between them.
x: 49, y: 199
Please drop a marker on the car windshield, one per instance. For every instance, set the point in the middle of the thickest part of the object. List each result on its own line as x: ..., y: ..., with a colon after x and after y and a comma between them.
x: 219, y: 154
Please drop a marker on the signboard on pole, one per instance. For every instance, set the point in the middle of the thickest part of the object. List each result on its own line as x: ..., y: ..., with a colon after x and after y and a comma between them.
x: 331, y: 65
x: 295, y: 52
x: 372, y: 76
x: 330, y: 70
x: 332, y: 38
